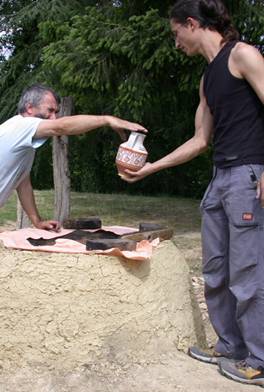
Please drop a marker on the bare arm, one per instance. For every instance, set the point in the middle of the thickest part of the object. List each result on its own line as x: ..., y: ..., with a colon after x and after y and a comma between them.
x: 27, y: 200
x: 247, y: 62
x: 187, y: 151
x: 75, y: 125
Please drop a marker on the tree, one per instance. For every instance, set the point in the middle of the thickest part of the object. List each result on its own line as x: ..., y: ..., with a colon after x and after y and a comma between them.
x: 114, y: 57
x: 21, y: 38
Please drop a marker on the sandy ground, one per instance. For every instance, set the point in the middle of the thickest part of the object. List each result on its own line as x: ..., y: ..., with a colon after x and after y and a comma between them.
x: 174, y: 371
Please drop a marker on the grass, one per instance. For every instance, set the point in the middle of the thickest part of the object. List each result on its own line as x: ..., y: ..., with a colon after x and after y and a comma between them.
x: 119, y: 209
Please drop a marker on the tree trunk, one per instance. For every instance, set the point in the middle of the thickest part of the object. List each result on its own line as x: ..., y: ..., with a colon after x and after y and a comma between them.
x: 61, y: 173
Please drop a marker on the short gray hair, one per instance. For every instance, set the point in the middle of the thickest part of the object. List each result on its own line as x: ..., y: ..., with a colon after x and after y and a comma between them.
x: 33, y: 95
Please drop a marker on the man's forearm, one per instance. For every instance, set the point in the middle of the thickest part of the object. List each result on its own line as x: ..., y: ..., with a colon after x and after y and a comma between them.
x: 74, y: 125
x: 184, y: 153
x: 27, y: 200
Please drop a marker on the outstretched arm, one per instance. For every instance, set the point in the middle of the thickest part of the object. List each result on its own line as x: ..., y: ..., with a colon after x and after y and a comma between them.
x: 76, y: 125
x: 187, y: 151
x: 27, y: 200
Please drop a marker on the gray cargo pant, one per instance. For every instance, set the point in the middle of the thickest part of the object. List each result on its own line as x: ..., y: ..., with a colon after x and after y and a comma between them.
x: 233, y: 262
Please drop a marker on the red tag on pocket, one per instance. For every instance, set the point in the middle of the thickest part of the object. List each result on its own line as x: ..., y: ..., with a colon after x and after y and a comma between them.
x: 248, y: 216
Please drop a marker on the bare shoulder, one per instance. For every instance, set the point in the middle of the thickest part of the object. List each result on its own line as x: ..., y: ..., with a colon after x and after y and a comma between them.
x: 245, y: 52
x: 245, y: 59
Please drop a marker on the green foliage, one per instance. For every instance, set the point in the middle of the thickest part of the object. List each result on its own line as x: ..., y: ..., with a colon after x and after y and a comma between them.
x: 20, y: 33
x: 112, y: 58
x: 250, y: 21
x: 128, y: 68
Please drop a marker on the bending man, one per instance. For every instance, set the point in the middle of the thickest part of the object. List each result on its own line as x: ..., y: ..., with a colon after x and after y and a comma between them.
x: 23, y: 133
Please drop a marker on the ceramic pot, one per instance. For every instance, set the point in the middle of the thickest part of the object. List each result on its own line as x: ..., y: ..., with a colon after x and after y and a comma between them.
x: 132, y: 154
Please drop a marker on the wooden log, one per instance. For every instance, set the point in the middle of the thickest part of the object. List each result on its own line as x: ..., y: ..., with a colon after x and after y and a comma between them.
x: 61, y: 172
x: 104, y: 244
x: 163, y: 234
x: 145, y: 226
x: 93, y: 222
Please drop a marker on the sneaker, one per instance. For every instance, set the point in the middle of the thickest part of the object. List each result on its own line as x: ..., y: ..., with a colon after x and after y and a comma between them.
x: 240, y: 371
x: 207, y: 356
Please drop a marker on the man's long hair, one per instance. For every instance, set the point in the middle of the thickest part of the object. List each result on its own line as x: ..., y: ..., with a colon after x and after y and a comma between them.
x: 211, y: 14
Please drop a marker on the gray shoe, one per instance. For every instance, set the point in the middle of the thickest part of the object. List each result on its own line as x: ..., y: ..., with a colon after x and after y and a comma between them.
x: 240, y: 371
x: 206, y: 356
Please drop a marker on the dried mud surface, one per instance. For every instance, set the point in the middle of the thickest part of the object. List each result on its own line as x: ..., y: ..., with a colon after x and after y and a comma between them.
x: 165, y: 369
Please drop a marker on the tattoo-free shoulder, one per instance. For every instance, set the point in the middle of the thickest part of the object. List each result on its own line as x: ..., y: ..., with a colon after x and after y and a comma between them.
x: 242, y: 50
x: 245, y: 59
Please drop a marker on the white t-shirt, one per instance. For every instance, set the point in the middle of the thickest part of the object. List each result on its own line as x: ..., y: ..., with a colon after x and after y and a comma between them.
x: 17, y: 151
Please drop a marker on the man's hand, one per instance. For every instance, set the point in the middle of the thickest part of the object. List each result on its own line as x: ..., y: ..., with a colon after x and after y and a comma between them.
x: 133, y: 176
x: 27, y: 200
x: 48, y: 225
x: 260, y: 190
x: 119, y: 126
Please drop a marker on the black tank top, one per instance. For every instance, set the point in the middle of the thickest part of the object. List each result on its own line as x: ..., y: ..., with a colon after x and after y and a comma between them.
x: 238, y: 114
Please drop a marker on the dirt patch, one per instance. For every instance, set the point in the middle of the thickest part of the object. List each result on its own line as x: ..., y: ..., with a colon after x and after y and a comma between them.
x: 170, y: 371
x: 63, y: 310
x: 175, y: 372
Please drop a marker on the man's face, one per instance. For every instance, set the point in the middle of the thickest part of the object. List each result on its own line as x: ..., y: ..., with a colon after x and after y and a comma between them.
x: 47, y: 109
x: 184, y: 36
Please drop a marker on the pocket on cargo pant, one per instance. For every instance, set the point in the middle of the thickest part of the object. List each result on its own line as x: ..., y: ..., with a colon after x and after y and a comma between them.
x: 244, y: 250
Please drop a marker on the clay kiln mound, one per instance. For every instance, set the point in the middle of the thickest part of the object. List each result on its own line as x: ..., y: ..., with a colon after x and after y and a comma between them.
x: 64, y: 311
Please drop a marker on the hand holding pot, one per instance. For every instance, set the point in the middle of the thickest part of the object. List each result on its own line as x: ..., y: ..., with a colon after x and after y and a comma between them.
x: 131, y: 154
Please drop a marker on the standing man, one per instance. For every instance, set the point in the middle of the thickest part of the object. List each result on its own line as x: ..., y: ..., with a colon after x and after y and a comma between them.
x: 231, y: 114
x: 23, y: 133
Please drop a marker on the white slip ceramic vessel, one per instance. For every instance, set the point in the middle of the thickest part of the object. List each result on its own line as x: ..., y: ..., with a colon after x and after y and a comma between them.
x: 132, y: 154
